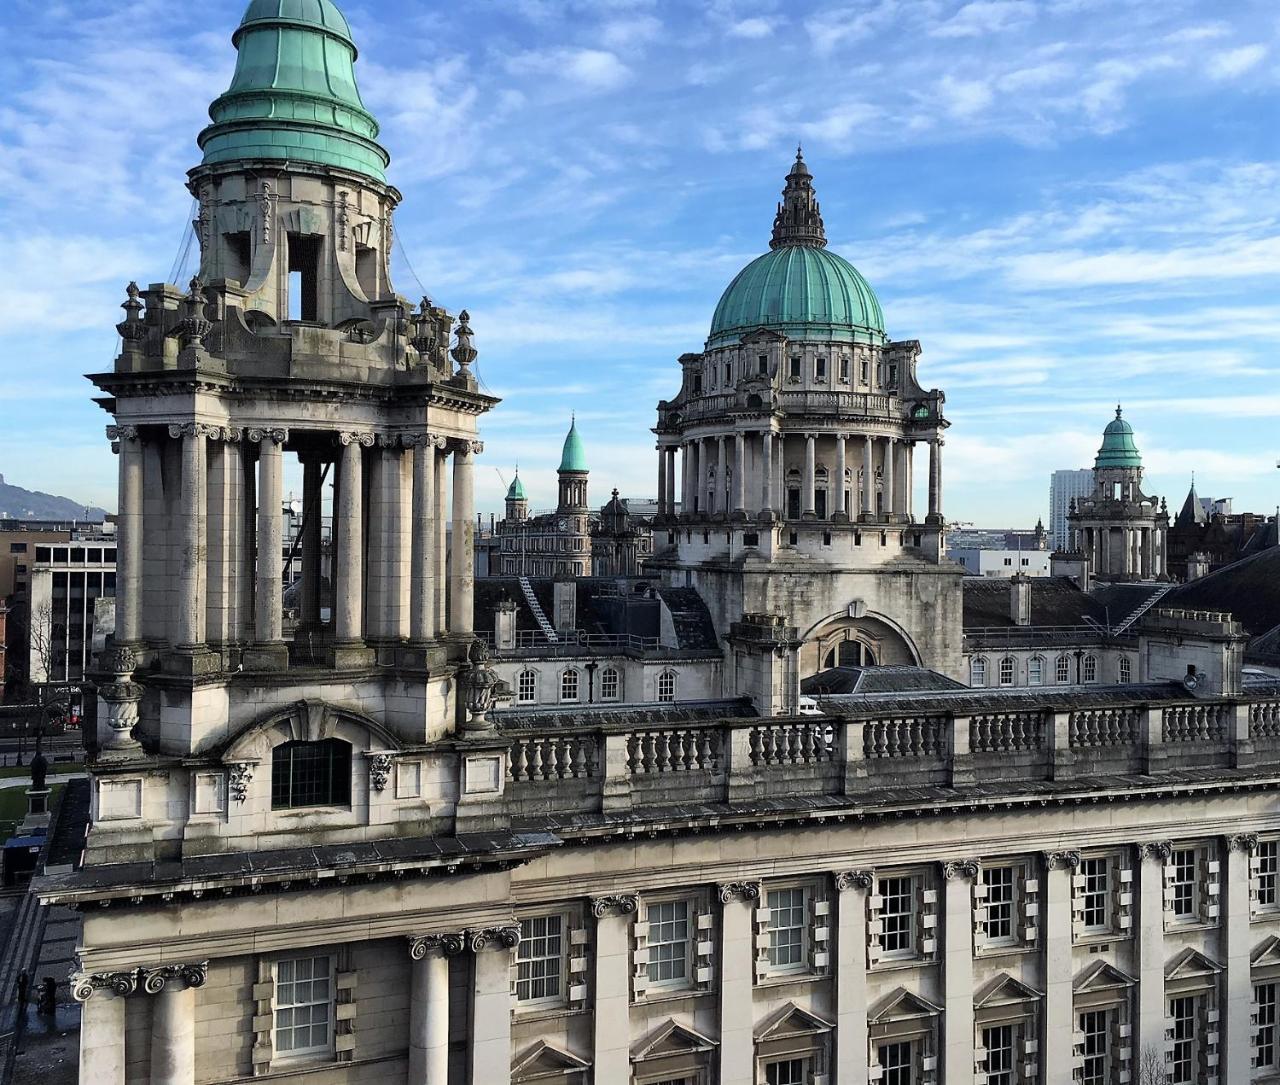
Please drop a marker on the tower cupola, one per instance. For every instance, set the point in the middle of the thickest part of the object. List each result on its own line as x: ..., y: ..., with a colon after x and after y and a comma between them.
x: 573, y: 471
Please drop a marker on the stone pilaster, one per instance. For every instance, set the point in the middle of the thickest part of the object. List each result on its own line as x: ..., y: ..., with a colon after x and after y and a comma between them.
x: 462, y: 562
x: 1059, y: 997
x: 957, y: 971
x: 491, y: 1004
x: 1149, y: 1034
x: 611, y: 1025
x: 429, y: 1006
x: 737, y: 976
x: 1237, y: 994
x: 851, y: 974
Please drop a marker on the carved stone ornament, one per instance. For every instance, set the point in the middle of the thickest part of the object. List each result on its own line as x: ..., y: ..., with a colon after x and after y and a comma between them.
x: 731, y: 891
x: 85, y: 984
x: 194, y: 429
x: 132, y: 328
x: 240, y: 779
x: 1246, y: 842
x: 379, y: 770
x: 121, y: 696
x: 194, y: 326
x: 615, y: 904
x: 1059, y: 860
x: 960, y: 868
x: 1156, y: 849
x: 193, y: 975
x: 122, y: 433
x: 350, y: 438
x: 854, y: 879
x: 493, y: 936
x: 447, y: 945
x: 275, y: 434
x: 267, y: 206
x: 480, y: 681
x: 465, y: 352
x: 343, y: 217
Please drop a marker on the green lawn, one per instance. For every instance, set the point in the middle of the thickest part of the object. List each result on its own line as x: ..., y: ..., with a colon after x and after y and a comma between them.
x: 13, y: 807
x: 54, y: 767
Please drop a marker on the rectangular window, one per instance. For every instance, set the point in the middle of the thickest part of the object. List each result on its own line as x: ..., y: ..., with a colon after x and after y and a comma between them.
x: 1096, y: 894
x: 788, y: 921
x: 540, y: 959
x: 1035, y: 671
x: 1006, y: 671
x: 1062, y: 670
x: 304, y: 1006
x: 896, y: 1064
x: 1266, y: 868
x: 898, y: 916
x: 787, y: 1072
x: 763, y: 364
x: 18, y: 548
x: 820, y: 369
x: 1183, y: 1059
x: 728, y: 372
x: 669, y: 943
x: 1001, y: 883
x: 1185, y: 889
x: 1095, y: 1032
x: 609, y: 684
x: 1000, y: 1055
x: 866, y: 373
x: 569, y: 686
x: 844, y: 370
x: 1264, y: 1017
x: 527, y: 687
x: 311, y: 774
x: 795, y: 367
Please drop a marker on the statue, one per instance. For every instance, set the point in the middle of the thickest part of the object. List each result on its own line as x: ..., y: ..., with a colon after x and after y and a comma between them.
x: 39, y: 770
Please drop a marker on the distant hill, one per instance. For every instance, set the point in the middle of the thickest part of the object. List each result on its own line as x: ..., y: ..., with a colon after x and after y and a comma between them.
x: 19, y: 504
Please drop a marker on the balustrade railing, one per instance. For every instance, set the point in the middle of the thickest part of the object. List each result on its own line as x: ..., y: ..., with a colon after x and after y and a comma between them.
x: 1264, y: 720
x: 1195, y: 722
x: 805, y: 743
x: 904, y: 736
x: 553, y: 757
x: 1006, y: 732
x: 1098, y: 727
x: 673, y: 749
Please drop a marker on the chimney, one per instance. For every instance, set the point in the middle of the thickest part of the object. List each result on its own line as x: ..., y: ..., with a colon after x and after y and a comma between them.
x: 565, y: 618
x: 504, y: 625
x: 1020, y: 599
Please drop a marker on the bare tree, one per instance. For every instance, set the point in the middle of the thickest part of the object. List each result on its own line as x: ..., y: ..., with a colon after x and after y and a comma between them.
x: 1151, y: 1067
x: 40, y: 643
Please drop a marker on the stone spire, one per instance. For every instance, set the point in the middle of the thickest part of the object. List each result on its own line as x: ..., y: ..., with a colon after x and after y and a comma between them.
x: 799, y: 220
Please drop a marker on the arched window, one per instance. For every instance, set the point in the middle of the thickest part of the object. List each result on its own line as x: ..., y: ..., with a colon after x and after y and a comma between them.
x: 667, y: 686
x: 1089, y: 669
x: 1062, y: 670
x: 1008, y: 668
x: 569, y: 685
x: 311, y: 774
x: 610, y: 684
x: 1126, y: 669
x: 527, y: 687
x: 1035, y: 671
x: 978, y: 672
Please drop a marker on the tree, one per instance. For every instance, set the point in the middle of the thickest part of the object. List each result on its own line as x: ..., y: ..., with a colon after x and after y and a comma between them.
x: 1151, y: 1067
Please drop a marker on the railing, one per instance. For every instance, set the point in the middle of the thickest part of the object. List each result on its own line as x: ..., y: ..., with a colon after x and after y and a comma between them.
x: 1101, y: 727
x: 1195, y: 723
x: 553, y: 757
x: 1006, y: 732
x: 675, y: 749
x: 572, y: 642
x: 1264, y: 720
x: 863, y: 403
x: 904, y: 736
x: 802, y: 743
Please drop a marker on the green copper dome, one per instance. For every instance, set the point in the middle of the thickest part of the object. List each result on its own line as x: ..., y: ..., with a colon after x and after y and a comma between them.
x: 515, y: 492
x: 798, y: 288
x: 293, y: 96
x: 574, y: 456
x: 1118, y: 449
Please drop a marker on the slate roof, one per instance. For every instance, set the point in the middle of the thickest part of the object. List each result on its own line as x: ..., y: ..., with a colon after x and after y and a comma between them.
x: 1248, y: 588
x: 1055, y: 600
x: 895, y: 678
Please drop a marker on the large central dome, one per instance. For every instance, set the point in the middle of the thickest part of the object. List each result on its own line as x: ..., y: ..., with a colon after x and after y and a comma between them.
x: 799, y: 288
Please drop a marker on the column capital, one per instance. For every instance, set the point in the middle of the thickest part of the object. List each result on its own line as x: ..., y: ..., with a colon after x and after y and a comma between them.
x: 465, y: 445
x: 194, y: 429
x: 731, y: 891
x: 1060, y: 860
x: 275, y: 434
x: 966, y: 869
x: 507, y: 936
x: 1156, y: 849
x: 122, y: 433
x: 84, y: 985
x: 1246, y: 842
x: 447, y: 945
x: 615, y: 904
x: 347, y: 437
x: 423, y: 440
x: 854, y: 879
x: 226, y: 433
x: 154, y: 980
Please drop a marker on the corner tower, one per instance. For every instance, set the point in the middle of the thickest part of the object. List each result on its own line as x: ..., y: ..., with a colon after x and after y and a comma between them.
x: 797, y: 428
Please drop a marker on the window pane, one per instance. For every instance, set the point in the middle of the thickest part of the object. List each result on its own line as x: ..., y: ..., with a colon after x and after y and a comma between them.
x: 303, y: 1004
x: 311, y: 774
x: 897, y: 916
x: 669, y: 942
x: 539, y: 958
x: 787, y: 921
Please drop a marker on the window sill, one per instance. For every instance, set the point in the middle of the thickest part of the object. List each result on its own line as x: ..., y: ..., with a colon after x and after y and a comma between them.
x: 895, y: 964
x: 987, y: 952
x: 547, y: 1012
x: 662, y: 996
x: 1177, y: 926
x: 783, y: 979
x: 1093, y: 938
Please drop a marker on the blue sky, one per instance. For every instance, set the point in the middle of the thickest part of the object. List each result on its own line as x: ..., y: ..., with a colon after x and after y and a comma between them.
x: 1069, y: 202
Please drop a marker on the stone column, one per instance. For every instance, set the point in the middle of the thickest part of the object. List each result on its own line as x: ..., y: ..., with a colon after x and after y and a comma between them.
x: 442, y: 541
x: 349, y: 570
x: 102, y: 1014
x: 737, y: 977
x: 270, y: 586
x: 129, y: 538
x: 1149, y: 1034
x: 766, y: 474
x: 868, y: 478
x: 670, y: 453
x: 462, y: 567
x: 662, y: 481
x: 686, y: 478
x: 226, y: 519
x: 841, y: 511
x: 851, y: 975
x: 957, y: 971
x: 247, y: 554
x: 491, y: 1005
x: 901, y: 502
x: 395, y: 542
x: 739, y: 474
x: 721, y: 499
x: 312, y: 535
x: 422, y: 575
x: 935, y: 479
x: 611, y: 1025
x: 429, y: 1007
x: 173, y: 1034
x: 1237, y: 982
x: 890, y: 502
x: 192, y: 527
x: 1059, y: 995
x: 809, y: 482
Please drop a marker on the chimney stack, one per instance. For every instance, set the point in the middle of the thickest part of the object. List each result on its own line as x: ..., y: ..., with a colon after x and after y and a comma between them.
x: 1020, y: 599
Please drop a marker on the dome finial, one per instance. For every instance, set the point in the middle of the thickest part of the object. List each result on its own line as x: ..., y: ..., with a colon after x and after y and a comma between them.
x: 1117, y: 410
x: 799, y: 220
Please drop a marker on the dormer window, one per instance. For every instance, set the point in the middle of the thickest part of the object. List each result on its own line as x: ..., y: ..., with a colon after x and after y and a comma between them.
x: 311, y: 774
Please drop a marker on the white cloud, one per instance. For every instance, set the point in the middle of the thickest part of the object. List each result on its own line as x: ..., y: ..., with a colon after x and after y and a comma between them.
x: 1234, y: 62
x: 597, y: 69
x: 984, y: 17
x: 752, y: 29
x: 631, y: 32
x: 965, y: 97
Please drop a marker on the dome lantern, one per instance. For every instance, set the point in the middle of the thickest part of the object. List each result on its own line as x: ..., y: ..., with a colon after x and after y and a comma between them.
x: 1118, y: 448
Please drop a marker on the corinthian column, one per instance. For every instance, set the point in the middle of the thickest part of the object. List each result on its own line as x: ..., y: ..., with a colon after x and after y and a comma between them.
x: 422, y: 577
x: 739, y: 474
x: 890, y: 505
x: 270, y: 604
x: 841, y: 512
x: 868, y: 479
x: 189, y: 632
x: 129, y: 537
x: 766, y: 474
x: 462, y: 568
x: 349, y: 598
x: 662, y: 481
x: 808, y: 495
x: 670, y: 453
x: 935, y: 479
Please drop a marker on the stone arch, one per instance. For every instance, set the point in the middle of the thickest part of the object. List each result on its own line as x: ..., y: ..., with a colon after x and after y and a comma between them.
x: 307, y: 721
x: 882, y: 638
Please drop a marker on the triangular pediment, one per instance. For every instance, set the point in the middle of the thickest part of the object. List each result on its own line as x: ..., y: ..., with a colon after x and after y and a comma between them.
x: 670, y: 1038
x: 1101, y: 976
x: 790, y: 1022
x: 761, y: 334
x: 902, y: 1004
x: 1188, y: 963
x: 545, y: 1062
x: 1004, y: 990
x: 1266, y: 954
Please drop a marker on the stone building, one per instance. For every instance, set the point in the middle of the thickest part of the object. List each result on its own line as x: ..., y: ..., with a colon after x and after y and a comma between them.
x: 322, y: 856
x: 67, y: 582
x: 1206, y: 535
x: 1119, y: 532
x: 796, y: 429
x: 621, y: 542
